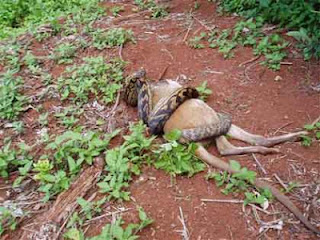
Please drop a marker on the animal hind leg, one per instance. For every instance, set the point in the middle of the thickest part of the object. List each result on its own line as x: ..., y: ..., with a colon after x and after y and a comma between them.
x: 226, y: 148
x: 258, y: 140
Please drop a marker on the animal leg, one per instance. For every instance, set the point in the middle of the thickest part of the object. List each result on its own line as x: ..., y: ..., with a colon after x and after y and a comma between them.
x: 242, y: 135
x: 226, y: 148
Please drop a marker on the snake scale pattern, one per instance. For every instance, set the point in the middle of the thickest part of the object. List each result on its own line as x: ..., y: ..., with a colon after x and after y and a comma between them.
x: 137, y: 92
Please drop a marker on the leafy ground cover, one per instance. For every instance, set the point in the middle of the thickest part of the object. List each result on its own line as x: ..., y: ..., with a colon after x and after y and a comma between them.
x: 62, y: 66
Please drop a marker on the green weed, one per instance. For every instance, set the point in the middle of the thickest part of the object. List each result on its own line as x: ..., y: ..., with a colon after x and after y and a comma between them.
x: 240, y: 182
x: 195, y: 42
x: 111, y: 38
x: 175, y: 158
x: 8, y: 218
x: 94, y: 77
x: 116, y: 10
x: 204, y: 91
x: 90, y: 209
x: 314, y: 130
x: 69, y: 116
x: 64, y: 53
x: 14, y: 159
x: 12, y: 101
x: 18, y: 16
x: 157, y: 11
x: 123, y: 161
x: 117, y: 232
x: 9, y: 56
x: 301, y: 17
x: 32, y: 63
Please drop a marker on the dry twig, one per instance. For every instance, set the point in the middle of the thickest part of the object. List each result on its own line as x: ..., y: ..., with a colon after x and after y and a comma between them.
x: 259, y: 164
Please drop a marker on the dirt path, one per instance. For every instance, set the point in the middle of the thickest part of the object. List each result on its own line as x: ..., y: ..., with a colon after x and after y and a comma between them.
x: 257, y: 103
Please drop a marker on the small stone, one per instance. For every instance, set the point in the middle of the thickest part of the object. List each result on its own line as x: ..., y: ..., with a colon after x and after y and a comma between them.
x: 277, y: 78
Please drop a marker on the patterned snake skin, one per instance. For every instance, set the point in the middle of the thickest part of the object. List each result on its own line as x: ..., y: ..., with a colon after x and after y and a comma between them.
x: 137, y: 92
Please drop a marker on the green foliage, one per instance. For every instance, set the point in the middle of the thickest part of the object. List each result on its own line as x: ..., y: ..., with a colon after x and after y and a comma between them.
x: 16, y: 16
x: 90, y: 209
x: 64, y: 53
x: 302, y: 17
x: 249, y: 33
x: 32, y: 63
x: 204, y: 91
x: 51, y: 182
x: 157, y: 11
x: 111, y: 38
x: 69, y: 116
x: 314, y: 131
x: 222, y: 42
x: 115, y: 231
x: 240, y: 182
x: 73, y: 148
x: 8, y: 219
x: 12, y: 101
x: 116, y: 10
x: 14, y: 159
x: 9, y: 56
x: 43, y: 119
x: 176, y: 158
x: 70, y: 151
x: 74, y: 234
x: 291, y: 186
x: 95, y: 77
x: 195, y: 42
x: 123, y: 161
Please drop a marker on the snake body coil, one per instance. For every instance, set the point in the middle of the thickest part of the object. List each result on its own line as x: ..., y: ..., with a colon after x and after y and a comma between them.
x: 138, y: 93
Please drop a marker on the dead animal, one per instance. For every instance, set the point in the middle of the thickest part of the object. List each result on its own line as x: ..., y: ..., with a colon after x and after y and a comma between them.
x: 166, y: 105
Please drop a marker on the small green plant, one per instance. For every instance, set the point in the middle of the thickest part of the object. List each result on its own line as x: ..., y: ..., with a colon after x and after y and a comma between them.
x: 175, y: 158
x: 111, y: 38
x: 73, y: 148
x: 204, y: 91
x: 12, y: 101
x: 123, y: 161
x: 222, y: 42
x: 195, y: 42
x: 64, y: 53
x: 95, y: 77
x: 196, y: 5
x: 9, y: 56
x: 51, y: 183
x: 157, y: 11
x: 14, y: 159
x: 291, y: 186
x: 31, y: 62
x: 18, y: 127
x: 117, y: 232
x: 8, y: 218
x: 240, y: 182
x: 116, y: 10
x: 314, y: 130
x: 90, y: 209
x: 69, y: 116
x: 43, y: 119
x: 300, y: 17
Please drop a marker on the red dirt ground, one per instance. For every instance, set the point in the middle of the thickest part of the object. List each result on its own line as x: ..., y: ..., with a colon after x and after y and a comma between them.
x: 257, y: 103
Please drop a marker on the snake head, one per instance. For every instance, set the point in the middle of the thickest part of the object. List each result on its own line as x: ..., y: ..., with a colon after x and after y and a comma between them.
x: 141, y: 73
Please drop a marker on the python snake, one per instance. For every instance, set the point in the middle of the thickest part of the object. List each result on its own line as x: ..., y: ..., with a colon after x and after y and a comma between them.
x: 138, y: 92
